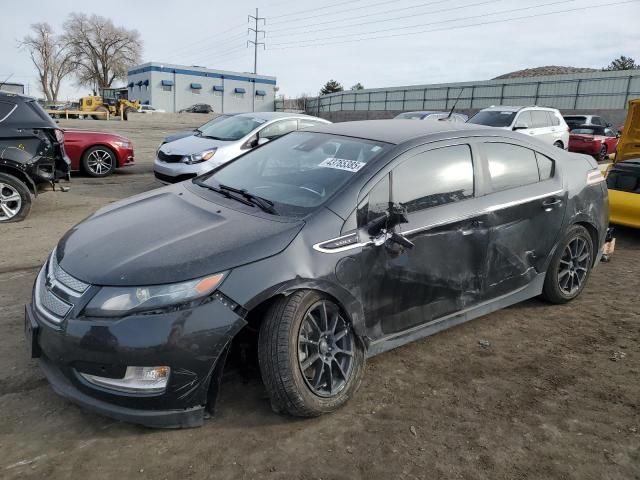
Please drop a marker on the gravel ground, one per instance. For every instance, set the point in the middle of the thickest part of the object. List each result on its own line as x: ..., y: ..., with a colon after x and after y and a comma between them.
x: 531, y: 392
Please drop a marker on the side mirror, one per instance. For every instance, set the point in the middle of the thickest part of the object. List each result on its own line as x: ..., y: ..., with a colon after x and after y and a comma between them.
x: 262, y: 141
x: 381, y: 227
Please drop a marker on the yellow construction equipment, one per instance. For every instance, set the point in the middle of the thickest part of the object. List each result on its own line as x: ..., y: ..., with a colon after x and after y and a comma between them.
x: 113, y: 100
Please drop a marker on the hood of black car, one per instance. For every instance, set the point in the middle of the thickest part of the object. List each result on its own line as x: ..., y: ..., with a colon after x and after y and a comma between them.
x: 168, y: 235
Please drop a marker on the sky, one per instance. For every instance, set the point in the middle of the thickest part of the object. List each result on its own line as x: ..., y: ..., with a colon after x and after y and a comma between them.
x: 374, y: 42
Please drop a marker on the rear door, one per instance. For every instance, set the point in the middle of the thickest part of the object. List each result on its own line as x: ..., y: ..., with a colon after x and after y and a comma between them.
x: 526, y: 200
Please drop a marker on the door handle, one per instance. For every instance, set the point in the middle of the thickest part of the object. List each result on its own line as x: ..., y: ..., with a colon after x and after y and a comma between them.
x: 548, y: 205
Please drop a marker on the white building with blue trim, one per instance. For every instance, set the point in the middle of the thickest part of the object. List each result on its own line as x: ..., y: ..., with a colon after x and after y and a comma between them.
x: 174, y: 87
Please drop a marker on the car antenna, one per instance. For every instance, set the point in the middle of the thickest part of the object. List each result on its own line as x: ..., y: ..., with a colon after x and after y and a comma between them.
x: 6, y: 80
x: 454, y: 105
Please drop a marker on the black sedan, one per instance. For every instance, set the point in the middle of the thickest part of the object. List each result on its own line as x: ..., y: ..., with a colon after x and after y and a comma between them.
x: 326, y: 247
x: 198, y: 108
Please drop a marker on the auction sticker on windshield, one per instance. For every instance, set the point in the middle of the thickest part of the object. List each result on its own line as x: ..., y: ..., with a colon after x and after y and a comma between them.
x: 342, y: 164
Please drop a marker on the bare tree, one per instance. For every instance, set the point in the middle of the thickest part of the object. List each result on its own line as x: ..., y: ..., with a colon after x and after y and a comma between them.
x: 50, y: 57
x: 101, y: 51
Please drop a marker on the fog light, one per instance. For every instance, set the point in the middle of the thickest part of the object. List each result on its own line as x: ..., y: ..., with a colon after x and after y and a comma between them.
x: 135, y: 380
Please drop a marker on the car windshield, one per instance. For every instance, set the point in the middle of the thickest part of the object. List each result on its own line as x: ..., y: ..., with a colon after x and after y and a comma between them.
x: 231, y: 128
x: 298, y: 172
x: 493, y: 118
x: 211, y: 122
x: 411, y: 116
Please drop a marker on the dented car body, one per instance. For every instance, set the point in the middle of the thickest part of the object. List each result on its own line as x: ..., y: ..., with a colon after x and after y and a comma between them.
x: 31, y: 154
x: 347, y: 240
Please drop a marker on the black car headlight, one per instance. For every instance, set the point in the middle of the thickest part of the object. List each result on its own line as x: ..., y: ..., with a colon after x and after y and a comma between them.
x: 199, y: 157
x: 120, y: 301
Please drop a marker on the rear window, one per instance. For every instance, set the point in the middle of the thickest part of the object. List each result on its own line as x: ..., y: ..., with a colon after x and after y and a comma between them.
x: 575, y: 120
x: 511, y: 166
x: 493, y: 118
x: 411, y: 116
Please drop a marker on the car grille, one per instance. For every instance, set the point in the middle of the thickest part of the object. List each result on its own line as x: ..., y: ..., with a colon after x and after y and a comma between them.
x: 178, y: 178
x: 52, y: 284
x: 163, y: 157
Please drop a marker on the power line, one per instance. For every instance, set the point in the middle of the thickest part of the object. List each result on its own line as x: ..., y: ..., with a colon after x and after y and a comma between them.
x: 205, y: 39
x: 299, y: 12
x: 333, y: 21
x: 419, y: 25
x: 336, y: 12
x: 232, y: 39
x: 485, y: 2
x: 457, y: 27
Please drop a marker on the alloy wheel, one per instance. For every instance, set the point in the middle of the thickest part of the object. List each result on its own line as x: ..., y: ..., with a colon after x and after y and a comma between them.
x: 603, y: 153
x: 574, y: 266
x: 325, y: 349
x: 99, y: 162
x: 10, y: 202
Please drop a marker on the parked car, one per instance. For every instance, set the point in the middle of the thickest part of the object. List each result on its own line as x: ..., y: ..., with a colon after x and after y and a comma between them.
x: 197, y: 108
x: 97, y: 154
x: 598, y: 142
x: 218, y: 142
x: 316, y: 251
x: 432, y: 115
x: 623, y: 181
x: 31, y: 154
x: 197, y: 131
x: 574, y: 121
x: 545, y: 124
x: 149, y: 109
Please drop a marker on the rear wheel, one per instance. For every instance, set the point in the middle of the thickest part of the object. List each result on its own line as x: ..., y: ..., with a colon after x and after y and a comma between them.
x: 603, y: 154
x: 99, y: 161
x: 310, y: 358
x: 570, y: 266
x: 127, y: 111
x: 15, y: 199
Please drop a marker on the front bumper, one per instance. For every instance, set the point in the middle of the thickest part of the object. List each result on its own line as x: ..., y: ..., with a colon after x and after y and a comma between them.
x: 190, y: 341
x: 177, y: 172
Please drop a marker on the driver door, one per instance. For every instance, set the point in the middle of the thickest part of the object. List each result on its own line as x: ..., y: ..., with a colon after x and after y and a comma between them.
x: 443, y: 272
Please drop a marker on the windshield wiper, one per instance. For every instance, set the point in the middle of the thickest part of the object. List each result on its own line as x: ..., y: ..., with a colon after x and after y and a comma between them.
x: 246, y: 197
x: 263, y: 203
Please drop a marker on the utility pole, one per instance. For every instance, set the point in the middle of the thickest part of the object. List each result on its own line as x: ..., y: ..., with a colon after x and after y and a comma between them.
x: 257, y: 19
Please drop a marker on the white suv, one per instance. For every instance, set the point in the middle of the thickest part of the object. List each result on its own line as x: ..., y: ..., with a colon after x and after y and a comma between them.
x: 543, y: 123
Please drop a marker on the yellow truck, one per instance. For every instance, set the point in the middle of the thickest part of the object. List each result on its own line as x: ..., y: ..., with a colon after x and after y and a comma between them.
x: 115, y: 101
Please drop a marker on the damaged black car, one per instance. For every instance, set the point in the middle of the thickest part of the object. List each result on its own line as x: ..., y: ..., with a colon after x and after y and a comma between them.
x: 326, y: 246
x: 32, y: 155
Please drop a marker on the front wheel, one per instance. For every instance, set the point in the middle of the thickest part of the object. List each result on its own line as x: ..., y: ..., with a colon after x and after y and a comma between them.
x: 570, y: 266
x: 310, y: 358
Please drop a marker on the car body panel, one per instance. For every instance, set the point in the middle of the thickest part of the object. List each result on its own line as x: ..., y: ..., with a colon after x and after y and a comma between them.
x: 77, y: 142
x: 629, y: 143
x: 470, y: 257
x: 624, y: 194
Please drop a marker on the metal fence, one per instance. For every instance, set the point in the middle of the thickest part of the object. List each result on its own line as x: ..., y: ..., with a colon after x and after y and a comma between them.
x: 598, y: 90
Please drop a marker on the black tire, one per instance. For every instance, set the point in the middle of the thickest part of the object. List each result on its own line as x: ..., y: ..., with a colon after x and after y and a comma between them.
x: 99, y: 161
x: 560, y: 286
x: 559, y: 144
x: 127, y: 111
x: 100, y: 117
x: 282, y: 359
x: 603, y: 154
x: 12, y: 208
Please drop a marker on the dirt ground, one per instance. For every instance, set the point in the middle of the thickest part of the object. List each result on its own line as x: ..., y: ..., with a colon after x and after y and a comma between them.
x: 554, y: 394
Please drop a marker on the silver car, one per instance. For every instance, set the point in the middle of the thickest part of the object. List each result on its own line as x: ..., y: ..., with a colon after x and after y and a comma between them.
x: 218, y: 142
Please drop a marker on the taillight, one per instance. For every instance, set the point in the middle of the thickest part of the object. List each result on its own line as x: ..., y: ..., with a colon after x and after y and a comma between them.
x: 59, y: 135
x: 594, y: 176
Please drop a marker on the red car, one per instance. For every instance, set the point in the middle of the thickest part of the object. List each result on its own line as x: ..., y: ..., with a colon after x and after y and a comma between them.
x: 593, y: 140
x: 97, y: 154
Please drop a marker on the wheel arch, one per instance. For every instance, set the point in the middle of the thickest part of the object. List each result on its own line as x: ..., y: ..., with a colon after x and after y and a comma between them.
x: 593, y: 233
x: 20, y: 175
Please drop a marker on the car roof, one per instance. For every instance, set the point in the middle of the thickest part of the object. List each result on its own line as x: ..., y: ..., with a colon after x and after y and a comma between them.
x: 427, y: 112
x: 275, y: 115
x: 515, y: 108
x: 396, y: 131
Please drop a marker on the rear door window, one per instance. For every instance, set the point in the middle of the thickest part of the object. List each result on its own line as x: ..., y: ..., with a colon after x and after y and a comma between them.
x: 433, y: 178
x: 511, y: 165
x: 539, y: 119
x: 6, y: 109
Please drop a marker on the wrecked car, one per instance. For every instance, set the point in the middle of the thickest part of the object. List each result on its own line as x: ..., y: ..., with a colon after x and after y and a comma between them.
x: 31, y: 154
x: 319, y: 249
